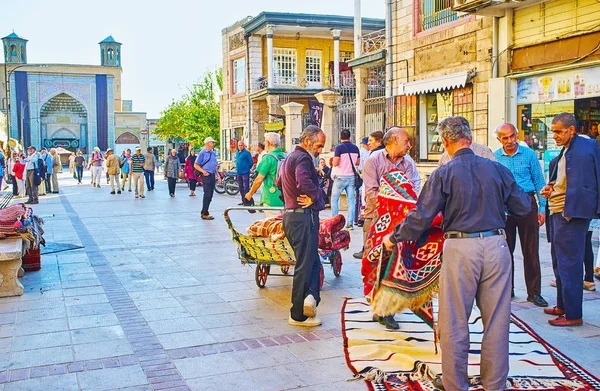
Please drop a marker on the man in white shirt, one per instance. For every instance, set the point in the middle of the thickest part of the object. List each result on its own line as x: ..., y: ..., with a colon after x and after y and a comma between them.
x: 346, y: 161
x: 31, y: 166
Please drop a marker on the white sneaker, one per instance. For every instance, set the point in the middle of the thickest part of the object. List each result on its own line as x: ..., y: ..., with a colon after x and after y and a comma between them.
x: 310, y: 306
x: 310, y: 322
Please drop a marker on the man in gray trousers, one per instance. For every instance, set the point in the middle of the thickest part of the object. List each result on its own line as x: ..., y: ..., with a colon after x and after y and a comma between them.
x: 473, y: 194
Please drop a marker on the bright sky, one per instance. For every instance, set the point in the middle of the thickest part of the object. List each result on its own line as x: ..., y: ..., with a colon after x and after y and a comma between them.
x: 167, y: 45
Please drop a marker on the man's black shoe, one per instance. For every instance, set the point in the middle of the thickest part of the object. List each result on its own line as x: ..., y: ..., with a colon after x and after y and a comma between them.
x: 112, y: 192
x: 437, y: 383
x: 537, y: 300
x: 358, y: 255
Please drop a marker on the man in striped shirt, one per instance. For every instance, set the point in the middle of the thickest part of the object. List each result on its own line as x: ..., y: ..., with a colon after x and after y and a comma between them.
x: 137, y: 172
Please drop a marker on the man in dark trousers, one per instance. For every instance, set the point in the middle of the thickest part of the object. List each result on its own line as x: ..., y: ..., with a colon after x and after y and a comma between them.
x: 299, y: 184
x: 473, y: 194
x: 243, y: 162
x: 206, y: 163
x: 573, y: 202
x: 525, y: 167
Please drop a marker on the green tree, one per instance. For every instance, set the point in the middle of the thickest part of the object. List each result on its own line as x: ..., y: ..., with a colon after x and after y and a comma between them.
x: 196, y: 115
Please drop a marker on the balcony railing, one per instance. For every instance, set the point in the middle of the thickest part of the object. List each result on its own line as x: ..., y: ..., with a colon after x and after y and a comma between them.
x: 373, y: 41
x: 300, y: 81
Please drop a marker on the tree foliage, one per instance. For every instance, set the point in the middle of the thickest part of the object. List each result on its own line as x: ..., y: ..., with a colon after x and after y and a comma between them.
x: 196, y: 115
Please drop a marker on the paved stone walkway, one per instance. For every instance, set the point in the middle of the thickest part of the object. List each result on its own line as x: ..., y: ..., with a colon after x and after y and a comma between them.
x: 157, y: 299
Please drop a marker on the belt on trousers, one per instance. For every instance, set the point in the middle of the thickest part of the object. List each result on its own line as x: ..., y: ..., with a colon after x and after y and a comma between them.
x: 467, y: 235
x: 299, y: 210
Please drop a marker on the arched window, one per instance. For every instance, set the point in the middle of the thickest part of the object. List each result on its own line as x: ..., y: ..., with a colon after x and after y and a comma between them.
x: 110, y: 54
x: 13, y: 50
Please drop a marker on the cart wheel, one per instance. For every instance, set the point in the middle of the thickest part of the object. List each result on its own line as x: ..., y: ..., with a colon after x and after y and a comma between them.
x: 285, y: 269
x: 336, y: 263
x: 260, y: 275
x: 322, y: 277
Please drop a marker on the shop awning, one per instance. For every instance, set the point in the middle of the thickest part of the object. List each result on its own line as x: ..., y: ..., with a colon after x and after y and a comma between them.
x: 440, y: 83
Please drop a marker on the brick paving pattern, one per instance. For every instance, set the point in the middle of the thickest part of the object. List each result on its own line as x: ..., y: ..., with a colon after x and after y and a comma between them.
x: 157, y: 300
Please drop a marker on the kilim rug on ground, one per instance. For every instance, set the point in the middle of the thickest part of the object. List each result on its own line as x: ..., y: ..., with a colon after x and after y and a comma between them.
x: 405, y: 359
x: 52, y: 247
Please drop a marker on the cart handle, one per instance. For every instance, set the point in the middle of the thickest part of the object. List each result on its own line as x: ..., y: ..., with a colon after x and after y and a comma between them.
x: 247, y: 208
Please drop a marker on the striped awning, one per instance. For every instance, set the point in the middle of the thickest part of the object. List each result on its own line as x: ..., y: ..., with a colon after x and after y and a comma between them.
x: 440, y: 83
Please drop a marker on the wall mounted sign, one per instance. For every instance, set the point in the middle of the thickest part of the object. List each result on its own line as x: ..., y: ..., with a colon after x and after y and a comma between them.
x: 61, y: 143
x: 575, y: 84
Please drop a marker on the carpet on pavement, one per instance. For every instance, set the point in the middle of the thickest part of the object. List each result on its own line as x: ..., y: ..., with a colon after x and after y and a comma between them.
x: 406, y: 359
x: 52, y: 247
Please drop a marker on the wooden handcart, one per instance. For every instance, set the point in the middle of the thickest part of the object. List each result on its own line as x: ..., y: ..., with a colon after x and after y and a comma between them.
x: 264, y: 252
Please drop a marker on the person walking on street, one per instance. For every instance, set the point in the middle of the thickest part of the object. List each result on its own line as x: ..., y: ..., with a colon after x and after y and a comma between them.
x: 33, y: 175
x: 126, y: 169
x: 267, y: 173
x: 48, y: 162
x: 573, y: 202
x: 96, y: 163
x: 261, y: 150
x: 2, y: 168
x: 393, y: 156
x: 206, y: 164
x: 299, y: 183
x: 149, y: 167
x: 137, y: 172
x: 244, y: 163
x: 72, y: 157
x: 79, y: 164
x: 113, y: 170
x: 189, y: 172
x: 56, y: 167
x: 473, y: 194
x: 19, y: 174
x: 346, y: 158
x: 10, y: 169
x: 523, y: 163
x: 171, y: 171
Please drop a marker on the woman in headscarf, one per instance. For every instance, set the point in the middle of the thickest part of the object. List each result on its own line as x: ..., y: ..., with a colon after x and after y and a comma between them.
x: 172, y: 171
x: 188, y: 171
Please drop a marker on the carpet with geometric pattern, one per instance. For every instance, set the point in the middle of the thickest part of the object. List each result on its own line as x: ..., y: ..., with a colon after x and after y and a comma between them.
x: 406, y: 359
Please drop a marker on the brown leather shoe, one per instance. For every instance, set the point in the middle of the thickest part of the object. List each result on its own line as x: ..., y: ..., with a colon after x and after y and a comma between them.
x: 554, y: 311
x: 207, y: 217
x: 561, y: 321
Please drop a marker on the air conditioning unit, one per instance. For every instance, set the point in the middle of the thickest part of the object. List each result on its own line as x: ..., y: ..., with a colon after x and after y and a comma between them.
x: 470, y: 5
x: 488, y: 7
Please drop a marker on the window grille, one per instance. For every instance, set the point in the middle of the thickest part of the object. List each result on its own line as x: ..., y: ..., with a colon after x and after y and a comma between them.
x: 346, y: 56
x: 239, y: 75
x: 285, y: 67
x: 313, y: 68
x: 436, y: 13
x: 463, y: 103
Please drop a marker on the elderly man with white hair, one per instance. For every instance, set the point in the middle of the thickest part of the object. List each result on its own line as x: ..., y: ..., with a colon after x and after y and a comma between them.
x: 267, y: 173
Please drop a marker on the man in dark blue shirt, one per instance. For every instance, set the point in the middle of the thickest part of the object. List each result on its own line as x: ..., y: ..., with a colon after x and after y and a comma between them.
x: 244, y: 162
x: 473, y: 194
x: 206, y: 164
x: 299, y: 184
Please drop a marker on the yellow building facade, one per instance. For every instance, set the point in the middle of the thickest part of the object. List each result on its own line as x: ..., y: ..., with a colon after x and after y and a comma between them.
x: 276, y: 58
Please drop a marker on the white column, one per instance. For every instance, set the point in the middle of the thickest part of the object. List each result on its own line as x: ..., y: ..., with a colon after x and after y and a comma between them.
x: 293, y: 124
x: 336, y: 57
x: 270, y: 64
x: 357, y: 29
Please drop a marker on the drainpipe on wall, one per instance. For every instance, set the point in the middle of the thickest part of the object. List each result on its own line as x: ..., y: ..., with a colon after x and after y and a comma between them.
x: 495, y: 34
x: 248, y: 90
x: 357, y: 29
x: 390, y: 45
